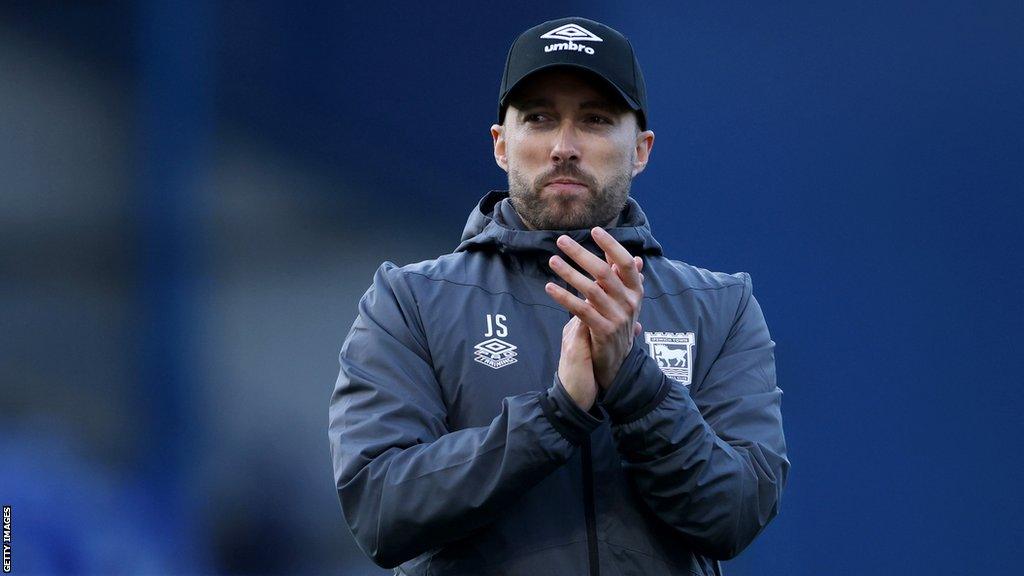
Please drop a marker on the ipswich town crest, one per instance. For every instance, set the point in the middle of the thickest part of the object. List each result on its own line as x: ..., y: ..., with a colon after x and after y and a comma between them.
x: 674, y: 353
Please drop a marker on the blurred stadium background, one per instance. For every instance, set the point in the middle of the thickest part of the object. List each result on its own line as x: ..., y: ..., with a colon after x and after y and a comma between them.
x: 194, y: 195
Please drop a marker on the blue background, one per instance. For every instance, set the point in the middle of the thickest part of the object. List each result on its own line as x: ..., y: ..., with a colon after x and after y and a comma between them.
x: 195, y: 195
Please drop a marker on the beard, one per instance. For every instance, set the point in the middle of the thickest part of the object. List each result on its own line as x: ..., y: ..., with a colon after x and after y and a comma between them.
x: 599, y: 208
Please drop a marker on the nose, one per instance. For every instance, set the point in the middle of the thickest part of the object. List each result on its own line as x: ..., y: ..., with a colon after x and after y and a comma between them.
x: 566, y: 145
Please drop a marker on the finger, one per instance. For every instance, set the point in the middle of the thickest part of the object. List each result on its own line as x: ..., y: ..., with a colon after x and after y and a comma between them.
x: 617, y: 253
x: 633, y: 296
x: 636, y: 297
x: 578, y: 328
x: 587, y: 287
x: 639, y: 264
x: 637, y: 329
x: 617, y: 270
x: 583, y: 333
x: 572, y: 329
x: 599, y: 269
x: 583, y: 310
x: 625, y: 277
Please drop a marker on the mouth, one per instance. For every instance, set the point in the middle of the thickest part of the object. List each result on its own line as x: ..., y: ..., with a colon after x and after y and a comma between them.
x: 566, y: 185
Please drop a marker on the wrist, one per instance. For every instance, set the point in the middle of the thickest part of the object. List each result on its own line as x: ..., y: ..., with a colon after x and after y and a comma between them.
x: 638, y: 387
x: 572, y: 421
x: 608, y: 373
x: 580, y: 395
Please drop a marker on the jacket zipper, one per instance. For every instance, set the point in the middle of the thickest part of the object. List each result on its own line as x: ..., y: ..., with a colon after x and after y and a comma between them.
x: 588, y: 507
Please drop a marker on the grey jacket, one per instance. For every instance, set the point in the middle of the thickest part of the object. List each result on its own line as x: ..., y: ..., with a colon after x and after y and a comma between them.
x: 457, y: 451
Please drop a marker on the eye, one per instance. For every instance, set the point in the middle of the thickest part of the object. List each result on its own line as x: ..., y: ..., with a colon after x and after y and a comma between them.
x: 535, y: 117
x: 598, y: 119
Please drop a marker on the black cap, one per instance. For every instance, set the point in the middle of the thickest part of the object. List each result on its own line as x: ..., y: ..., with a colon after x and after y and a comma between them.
x: 580, y: 43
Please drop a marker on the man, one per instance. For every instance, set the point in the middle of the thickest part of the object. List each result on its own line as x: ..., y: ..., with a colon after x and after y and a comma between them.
x: 556, y: 396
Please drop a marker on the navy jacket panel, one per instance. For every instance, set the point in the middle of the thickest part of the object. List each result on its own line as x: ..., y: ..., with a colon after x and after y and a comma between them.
x: 457, y: 451
x: 408, y: 479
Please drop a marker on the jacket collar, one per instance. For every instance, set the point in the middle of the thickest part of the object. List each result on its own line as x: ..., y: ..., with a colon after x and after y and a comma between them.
x: 494, y: 225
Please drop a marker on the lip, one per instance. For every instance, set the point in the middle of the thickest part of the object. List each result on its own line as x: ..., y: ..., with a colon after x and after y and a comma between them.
x: 566, y: 186
x: 566, y: 189
x: 565, y: 181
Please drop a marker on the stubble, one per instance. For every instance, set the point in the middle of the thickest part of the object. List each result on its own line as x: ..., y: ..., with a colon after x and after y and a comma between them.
x: 549, y: 212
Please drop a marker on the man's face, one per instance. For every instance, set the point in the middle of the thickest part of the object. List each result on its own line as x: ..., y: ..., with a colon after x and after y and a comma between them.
x: 571, y: 150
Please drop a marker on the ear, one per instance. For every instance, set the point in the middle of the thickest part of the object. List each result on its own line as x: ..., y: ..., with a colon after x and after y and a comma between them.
x: 644, y: 144
x: 500, y: 156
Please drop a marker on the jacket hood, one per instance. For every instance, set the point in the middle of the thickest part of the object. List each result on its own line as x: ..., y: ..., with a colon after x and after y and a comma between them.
x: 494, y: 225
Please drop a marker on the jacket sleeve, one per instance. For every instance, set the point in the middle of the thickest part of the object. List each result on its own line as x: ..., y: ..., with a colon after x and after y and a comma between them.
x: 712, y: 465
x: 406, y: 483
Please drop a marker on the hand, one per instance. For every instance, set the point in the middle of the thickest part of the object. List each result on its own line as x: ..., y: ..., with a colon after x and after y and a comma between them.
x: 613, y: 299
x: 575, y: 366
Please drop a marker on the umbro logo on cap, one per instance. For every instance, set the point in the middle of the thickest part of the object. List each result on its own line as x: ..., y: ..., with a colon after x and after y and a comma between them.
x: 572, y: 32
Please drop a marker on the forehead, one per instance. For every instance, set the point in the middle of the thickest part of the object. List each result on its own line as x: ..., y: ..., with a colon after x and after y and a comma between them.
x: 566, y: 84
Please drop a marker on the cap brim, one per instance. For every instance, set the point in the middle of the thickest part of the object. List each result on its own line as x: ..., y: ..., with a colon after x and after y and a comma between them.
x: 633, y: 104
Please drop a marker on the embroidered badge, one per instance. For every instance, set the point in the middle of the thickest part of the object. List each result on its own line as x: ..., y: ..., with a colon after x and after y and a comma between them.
x: 674, y: 353
x: 495, y: 353
x: 573, y: 34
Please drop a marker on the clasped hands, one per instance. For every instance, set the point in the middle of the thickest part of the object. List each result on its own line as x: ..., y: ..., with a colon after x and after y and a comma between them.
x: 605, y: 321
